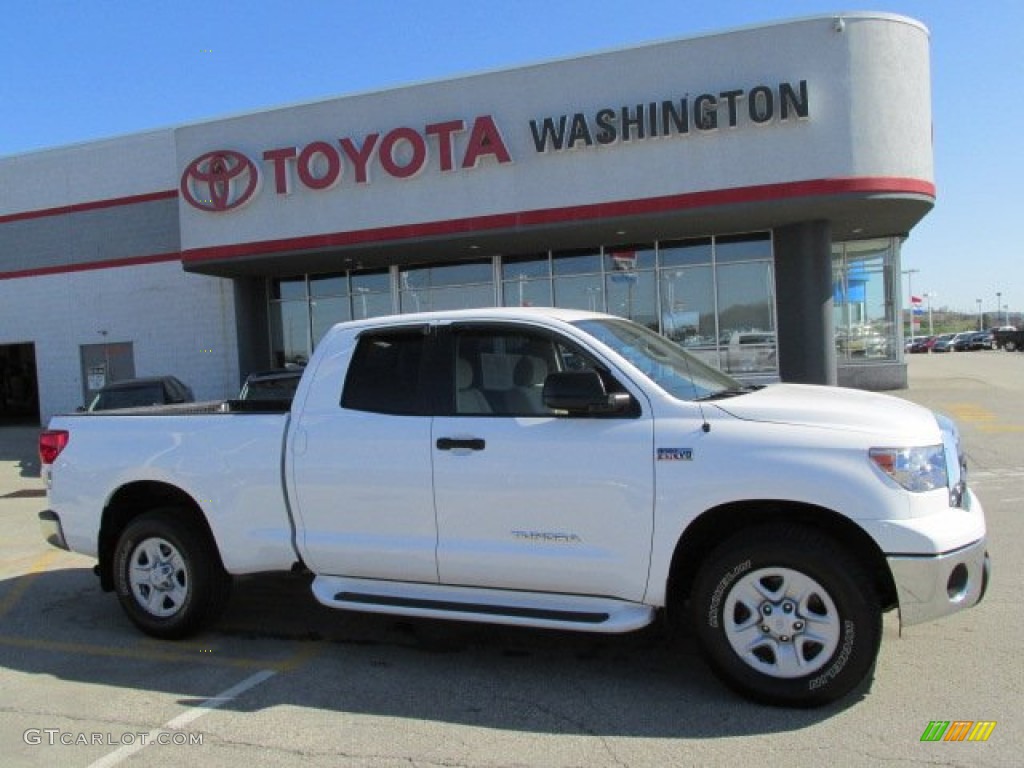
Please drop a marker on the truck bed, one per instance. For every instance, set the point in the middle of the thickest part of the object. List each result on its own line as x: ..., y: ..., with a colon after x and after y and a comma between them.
x: 227, y: 458
x: 199, y: 409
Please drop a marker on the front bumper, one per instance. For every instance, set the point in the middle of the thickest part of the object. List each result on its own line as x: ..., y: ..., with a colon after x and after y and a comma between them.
x: 932, y: 586
x: 49, y: 524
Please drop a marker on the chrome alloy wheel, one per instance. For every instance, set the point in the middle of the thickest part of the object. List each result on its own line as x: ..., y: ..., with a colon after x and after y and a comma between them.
x: 781, y: 622
x: 158, y: 577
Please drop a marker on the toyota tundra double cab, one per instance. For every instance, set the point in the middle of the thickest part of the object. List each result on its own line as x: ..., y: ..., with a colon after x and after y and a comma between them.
x: 544, y: 468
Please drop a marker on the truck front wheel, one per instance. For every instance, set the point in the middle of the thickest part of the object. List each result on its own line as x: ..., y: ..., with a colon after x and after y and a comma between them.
x: 168, y: 575
x: 785, y: 616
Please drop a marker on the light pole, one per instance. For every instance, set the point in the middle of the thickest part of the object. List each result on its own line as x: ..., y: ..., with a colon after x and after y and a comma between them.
x: 930, y: 295
x: 361, y: 292
x: 979, y: 313
x: 999, y: 306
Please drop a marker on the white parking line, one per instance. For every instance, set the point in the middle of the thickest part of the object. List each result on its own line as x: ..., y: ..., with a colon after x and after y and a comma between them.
x: 122, y: 753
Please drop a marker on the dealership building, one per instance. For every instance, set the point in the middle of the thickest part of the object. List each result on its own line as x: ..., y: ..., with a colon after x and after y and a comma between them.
x: 744, y: 193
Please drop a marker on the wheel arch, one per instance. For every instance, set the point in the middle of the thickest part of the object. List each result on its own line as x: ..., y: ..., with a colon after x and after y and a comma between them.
x: 135, y: 499
x: 719, y: 523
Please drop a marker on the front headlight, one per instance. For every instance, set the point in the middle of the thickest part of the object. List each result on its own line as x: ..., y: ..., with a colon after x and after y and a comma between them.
x: 915, y: 469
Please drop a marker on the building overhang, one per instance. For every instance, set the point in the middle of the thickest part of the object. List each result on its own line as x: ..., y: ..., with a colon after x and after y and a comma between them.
x: 856, y: 209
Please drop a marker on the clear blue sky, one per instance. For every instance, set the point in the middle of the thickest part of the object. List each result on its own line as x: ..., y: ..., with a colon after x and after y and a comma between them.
x: 76, y: 71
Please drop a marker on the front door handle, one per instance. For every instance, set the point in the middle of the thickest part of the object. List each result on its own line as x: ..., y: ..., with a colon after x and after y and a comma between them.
x: 471, y: 443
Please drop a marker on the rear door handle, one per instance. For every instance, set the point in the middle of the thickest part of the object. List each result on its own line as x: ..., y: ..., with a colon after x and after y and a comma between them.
x: 471, y: 443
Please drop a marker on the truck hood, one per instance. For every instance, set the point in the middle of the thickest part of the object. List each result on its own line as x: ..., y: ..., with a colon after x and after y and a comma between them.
x: 833, y: 408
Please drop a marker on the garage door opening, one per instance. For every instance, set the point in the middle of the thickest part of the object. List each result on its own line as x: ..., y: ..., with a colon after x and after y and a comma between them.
x: 19, y: 384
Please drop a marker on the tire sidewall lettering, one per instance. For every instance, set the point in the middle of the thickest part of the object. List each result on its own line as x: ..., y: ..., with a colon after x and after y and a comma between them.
x: 815, y: 556
x: 849, y: 638
x: 721, y: 588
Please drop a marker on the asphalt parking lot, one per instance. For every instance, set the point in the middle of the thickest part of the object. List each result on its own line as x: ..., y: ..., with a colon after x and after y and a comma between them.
x: 281, y: 681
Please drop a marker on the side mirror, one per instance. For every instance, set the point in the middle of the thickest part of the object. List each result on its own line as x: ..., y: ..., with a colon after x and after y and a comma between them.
x: 582, y: 392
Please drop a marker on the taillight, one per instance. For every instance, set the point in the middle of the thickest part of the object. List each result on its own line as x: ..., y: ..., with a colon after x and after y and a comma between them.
x: 51, y: 443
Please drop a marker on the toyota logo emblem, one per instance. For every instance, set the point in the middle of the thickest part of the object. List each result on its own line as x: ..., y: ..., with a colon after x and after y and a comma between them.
x: 219, y: 181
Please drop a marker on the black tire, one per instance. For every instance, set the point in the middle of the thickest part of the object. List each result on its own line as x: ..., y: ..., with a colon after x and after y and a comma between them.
x: 802, y: 610
x: 168, y: 574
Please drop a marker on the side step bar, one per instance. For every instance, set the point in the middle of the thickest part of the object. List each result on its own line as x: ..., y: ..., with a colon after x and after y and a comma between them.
x: 525, y: 609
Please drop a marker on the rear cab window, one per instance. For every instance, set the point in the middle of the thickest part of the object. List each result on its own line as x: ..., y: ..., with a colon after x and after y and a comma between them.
x: 385, y: 375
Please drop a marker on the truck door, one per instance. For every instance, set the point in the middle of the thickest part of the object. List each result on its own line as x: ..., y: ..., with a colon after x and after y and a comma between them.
x: 528, y: 499
x: 361, y: 460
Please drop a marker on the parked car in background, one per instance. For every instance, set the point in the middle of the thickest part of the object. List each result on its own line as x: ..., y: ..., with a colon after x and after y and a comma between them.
x: 748, y: 351
x: 981, y: 340
x: 922, y: 345
x: 943, y: 343
x: 919, y: 344
x: 1008, y: 338
x: 862, y: 341
x: 961, y: 342
x: 971, y: 341
x: 276, y: 384
x: 136, y: 393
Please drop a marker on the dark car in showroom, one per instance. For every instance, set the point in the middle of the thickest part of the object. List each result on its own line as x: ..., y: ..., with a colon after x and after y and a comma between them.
x: 136, y: 393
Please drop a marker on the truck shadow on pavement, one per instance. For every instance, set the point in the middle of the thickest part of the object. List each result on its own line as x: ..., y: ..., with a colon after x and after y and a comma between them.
x: 19, y: 446
x: 641, y: 684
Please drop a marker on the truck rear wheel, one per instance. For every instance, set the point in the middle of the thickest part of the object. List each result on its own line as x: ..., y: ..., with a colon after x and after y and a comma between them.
x: 785, y: 616
x: 168, y: 575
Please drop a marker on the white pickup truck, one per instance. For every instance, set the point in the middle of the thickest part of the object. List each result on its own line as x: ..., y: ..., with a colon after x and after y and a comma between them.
x: 544, y: 468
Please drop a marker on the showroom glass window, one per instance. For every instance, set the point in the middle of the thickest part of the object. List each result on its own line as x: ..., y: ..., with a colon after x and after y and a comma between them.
x: 578, y: 282
x: 718, y: 300
x: 687, y: 288
x: 526, y: 280
x: 713, y: 295
x: 864, y: 300
x: 631, y: 283
x: 447, y: 286
x: 303, y: 309
x: 745, y: 284
x: 290, y: 341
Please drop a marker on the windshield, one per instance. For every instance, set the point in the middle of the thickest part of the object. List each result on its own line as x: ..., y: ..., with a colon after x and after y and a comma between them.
x: 666, y: 363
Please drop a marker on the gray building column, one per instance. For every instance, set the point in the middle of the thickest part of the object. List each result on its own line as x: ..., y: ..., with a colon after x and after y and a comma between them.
x: 803, y: 281
x: 252, y: 324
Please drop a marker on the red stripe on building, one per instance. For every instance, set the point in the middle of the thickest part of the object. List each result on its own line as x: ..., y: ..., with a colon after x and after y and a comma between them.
x: 131, y: 261
x: 94, y: 205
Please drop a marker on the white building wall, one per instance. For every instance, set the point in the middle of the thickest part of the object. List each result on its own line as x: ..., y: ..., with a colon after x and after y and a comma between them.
x: 139, y: 164
x: 179, y: 323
